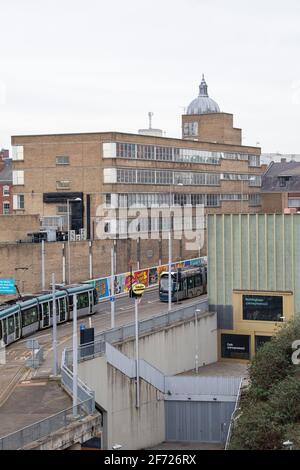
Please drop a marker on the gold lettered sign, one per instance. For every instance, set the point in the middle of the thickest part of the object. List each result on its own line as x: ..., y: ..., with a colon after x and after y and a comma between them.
x: 138, y: 289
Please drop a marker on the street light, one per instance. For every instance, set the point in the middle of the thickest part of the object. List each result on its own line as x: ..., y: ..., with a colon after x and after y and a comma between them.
x: 196, y: 341
x: 76, y: 199
x: 170, y: 252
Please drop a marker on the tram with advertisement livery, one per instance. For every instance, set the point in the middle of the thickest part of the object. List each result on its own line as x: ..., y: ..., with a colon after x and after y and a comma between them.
x: 35, y: 313
x: 186, y: 283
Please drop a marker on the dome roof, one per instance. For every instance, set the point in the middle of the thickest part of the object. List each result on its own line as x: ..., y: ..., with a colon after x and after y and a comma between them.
x: 203, y: 104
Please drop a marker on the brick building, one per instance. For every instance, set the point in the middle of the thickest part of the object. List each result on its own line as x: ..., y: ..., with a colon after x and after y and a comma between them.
x: 208, y: 166
x: 6, y: 205
x: 280, y: 191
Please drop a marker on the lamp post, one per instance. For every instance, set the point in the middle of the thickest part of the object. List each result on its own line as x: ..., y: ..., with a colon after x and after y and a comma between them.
x: 54, y: 327
x: 77, y: 199
x: 170, y: 250
x: 196, y: 341
x: 75, y: 352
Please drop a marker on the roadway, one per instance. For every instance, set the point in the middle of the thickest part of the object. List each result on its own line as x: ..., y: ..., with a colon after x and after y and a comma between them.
x: 17, y: 353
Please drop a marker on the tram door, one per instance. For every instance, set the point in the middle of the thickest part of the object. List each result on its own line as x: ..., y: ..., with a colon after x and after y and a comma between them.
x: 91, y: 301
x: 184, y: 288
x: 17, y: 325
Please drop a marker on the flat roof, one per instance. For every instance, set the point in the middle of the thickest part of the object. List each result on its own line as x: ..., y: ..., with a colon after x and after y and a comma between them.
x: 140, y: 136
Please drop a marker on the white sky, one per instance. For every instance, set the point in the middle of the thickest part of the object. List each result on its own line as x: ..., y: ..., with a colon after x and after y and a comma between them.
x: 95, y: 65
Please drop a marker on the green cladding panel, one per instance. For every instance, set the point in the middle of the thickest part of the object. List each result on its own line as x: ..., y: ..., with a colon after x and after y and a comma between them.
x: 253, y: 252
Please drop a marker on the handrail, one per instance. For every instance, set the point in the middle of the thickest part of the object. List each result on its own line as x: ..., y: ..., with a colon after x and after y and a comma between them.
x: 43, y: 428
x: 230, y: 429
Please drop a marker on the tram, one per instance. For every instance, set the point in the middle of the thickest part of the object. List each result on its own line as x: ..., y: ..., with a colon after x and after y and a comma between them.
x: 185, y: 283
x: 34, y: 313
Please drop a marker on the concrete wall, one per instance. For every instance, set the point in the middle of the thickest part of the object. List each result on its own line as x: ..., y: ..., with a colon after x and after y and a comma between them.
x: 125, y: 424
x: 173, y: 349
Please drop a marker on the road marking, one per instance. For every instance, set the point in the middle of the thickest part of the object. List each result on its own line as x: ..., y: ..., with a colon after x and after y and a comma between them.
x: 126, y: 308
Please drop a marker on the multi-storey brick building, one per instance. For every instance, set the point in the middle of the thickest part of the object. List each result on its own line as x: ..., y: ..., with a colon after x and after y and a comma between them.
x: 281, y: 187
x: 208, y: 166
x: 6, y: 206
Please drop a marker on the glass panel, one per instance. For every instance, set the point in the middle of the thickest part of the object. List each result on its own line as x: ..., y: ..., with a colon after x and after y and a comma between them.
x: 29, y: 316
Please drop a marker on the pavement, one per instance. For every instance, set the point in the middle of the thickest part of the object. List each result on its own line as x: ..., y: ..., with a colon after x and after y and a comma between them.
x: 32, y: 401
x: 221, y: 368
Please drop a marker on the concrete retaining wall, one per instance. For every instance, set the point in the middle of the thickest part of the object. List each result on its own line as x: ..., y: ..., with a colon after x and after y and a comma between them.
x: 173, y: 349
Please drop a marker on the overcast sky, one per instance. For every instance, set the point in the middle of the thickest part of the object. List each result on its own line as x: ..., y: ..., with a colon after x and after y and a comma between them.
x: 95, y: 65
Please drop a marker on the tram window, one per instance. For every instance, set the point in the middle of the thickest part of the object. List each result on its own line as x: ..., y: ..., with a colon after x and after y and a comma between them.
x: 1, y: 330
x: 83, y: 300
x: 17, y: 320
x: 198, y: 280
x: 11, y: 325
x: 62, y: 309
x: 29, y: 316
x: 190, y: 281
x: 4, y: 326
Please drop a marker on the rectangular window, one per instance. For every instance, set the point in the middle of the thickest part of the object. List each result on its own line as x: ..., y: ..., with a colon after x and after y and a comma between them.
x: 164, y: 153
x: 6, y: 208
x: 263, y: 308
x: 17, y: 152
x: 146, y: 152
x: 62, y: 210
x: 255, y: 180
x: 29, y: 316
x: 254, y: 160
x: 126, y: 175
x: 235, y: 346
x: 18, y: 177
x: 212, y: 200
x: 108, y: 200
x: 65, y: 184
x: 125, y: 150
x: 62, y: 160
x: 5, y: 191
x: 260, y: 341
x: 19, y: 201
x: 254, y: 200
x: 190, y: 128
x: 294, y: 202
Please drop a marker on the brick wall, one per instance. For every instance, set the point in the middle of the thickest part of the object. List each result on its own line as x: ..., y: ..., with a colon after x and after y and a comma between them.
x: 22, y: 261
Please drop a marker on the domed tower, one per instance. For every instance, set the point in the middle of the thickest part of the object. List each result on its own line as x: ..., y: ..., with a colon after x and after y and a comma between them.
x: 203, y: 104
x: 205, y: 122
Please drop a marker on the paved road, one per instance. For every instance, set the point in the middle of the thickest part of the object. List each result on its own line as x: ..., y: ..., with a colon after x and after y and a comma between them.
x: 17, y: 353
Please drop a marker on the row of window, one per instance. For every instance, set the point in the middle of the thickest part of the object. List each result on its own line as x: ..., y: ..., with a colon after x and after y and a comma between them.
x: 152, y: 152
x: 148, y: 176
x: 173, y: 154
x: 182, y: 199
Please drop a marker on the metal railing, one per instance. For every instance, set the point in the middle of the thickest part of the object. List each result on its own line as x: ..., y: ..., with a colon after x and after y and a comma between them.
x: 232, y: 420
x: 126, y: 332
x: 84, y: 393
x: 42, y: 429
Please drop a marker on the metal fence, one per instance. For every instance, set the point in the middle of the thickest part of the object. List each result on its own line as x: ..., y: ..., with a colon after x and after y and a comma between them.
x: 124, y: 333
x: 84, y: 393
x: 42, y: 429
x: 233, y: 416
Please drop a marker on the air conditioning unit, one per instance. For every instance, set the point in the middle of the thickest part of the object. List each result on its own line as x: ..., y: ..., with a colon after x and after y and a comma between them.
x: 82, y: 234
x: 72, y: 235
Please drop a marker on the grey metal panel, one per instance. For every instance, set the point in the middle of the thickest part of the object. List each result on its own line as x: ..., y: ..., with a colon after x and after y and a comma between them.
x: 213, y: 386
x: 152, y: 375
x: 224, y: 315
x: 120, y: 361
x: 197, y: 421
